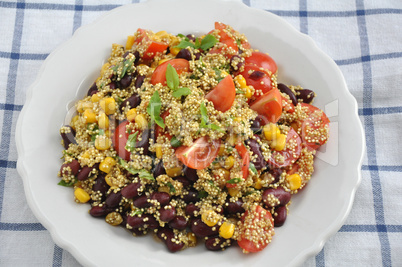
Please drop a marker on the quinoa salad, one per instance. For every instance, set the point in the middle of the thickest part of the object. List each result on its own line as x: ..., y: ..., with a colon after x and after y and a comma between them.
x: 192, y: 139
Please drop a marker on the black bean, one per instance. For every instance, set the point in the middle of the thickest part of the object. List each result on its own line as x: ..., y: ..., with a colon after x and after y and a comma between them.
x: 101, y: 186
x: 185, y: 54
x: 191, y: 37
x: 276, y: 173
x: 98, y: 211
x: 234, y: 207
x: 191, y: 209
x: 142, y: 202
x: 139, y: 81
x: 190, y: 196
x: 132, y: 102
x: 306, y: 95
x: 131, y: 190
x: 159, y: 169
x: 178, y: 222
x: 167, y: 235
x: 217, y: 243
x: 126, y: 81
x: 256, y: 75
x: 280, y: 215
x: 255, y: 147
x: 162, y: 197
x: 183, y: 180
x: 284, y: 89
x: 68, y: 136
x: 84, y: 173
x: 142, y: 221
x: 197, y: 55
x: 137, y: 57
x: 273, y: 197
x: 113, y: 199
x: 144, y: 143
x: 191, y: 174
x: 167, y: 213
x: 200, y: 229
x: 92, y: 90
x: 236, y: 62
x: 74, y: 167
x: 112, y: 85
x: 258, y: 123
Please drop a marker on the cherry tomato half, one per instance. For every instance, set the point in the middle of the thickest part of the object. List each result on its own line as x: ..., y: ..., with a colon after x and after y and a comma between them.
x: 288, y: 155
x: 315, y: 128
x: 257, y: 77
x: 224, y: 40
x: 269, y: 105
x: 262, y: 60
x: 223, y: 95
x: 200, y: 154
x: 119, y: 140
x: 259, y: 224
x: 151, y: 47
x: 159, y: 75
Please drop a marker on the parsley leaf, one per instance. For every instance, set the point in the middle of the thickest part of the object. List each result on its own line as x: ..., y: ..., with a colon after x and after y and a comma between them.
x: 252, y: 167
x: 184, y: 44
x: 184, y: 91
x: 202, y: 194
x: 63, y: 183
x: 136, y: 212
x: 175, y: 142
x: 171, y: 187
x: 141, y: 173
x: 131, y: 141
x: 154, y: 109
x: 207, y: 42
x: 127, y: 64
x: 205, y: 120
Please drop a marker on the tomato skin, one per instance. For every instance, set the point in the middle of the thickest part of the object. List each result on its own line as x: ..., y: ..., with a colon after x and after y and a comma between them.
x: 119, y: 141
x: 317, y: 120
x: 224, y: 39
x: 245, y: 156
x: 257, y: 77
x: 262, y: 60
x: 159, y: 130
x: 223, y: 95
x: 269, y: 105
x: 261, y: 214
x: 200, y: 154
x: 289, y: 155
x: 159, y: 76
x: 153, y: 47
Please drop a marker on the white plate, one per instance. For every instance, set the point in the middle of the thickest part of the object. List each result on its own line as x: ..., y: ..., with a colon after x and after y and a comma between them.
x: 316, y: 213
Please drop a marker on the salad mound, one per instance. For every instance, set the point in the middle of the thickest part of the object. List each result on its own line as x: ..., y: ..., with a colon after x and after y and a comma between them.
x: 192, y: 138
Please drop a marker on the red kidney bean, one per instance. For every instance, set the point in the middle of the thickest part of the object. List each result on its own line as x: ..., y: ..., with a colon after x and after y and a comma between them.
x: 84, y: 173
x: 162, y: 197
x: 280, y: 215
x: 178, y: 222
x: 256, y: 75
x: 98, y: 211
x: 142, y: 202
x: 191, y: 209
x: 278, y: 193
x: 159, y: 169
x: 113, y: 199
x: 131, y: 190
x: 142, y: 221
x: 185, y: 54
x: 236, y: 62
x: 255, y: 147
x: 92, y: 90
x: 167, y: 213
x: 68, y: 136
x: 139, y: 81
x: 190, y: 196
x: 101, y: 186
x: 74, y: 167
x: 197, y: 55
x: 235, y: 207
x: 166, y: 235
x: 306, y: 95
x: 286, y: 90
x: 276, y: 173
x: 112, y: 85
x: 217, y: 243
x: 126, y: 81
x: 144, y: 143
x: 200, y: 229
x: 191, y: 174
x: 133, y: 101
x: 183, y: 180
x: 191, y: 37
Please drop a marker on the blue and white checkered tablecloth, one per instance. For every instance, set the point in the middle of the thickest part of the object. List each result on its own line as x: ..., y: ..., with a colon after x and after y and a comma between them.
x: 364, y: 37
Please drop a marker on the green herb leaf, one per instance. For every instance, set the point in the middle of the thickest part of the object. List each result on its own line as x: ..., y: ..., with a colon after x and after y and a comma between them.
x: 251, y: 166
x: 218, y: 74
x: 238, y: 42
x: 184, y: 44
x: 204, y: 115
x: 141, y: 173
x: 184, y: 91
x: 238, y: 91
x: 172, y: 78
x: 171, y: 187
x: 197, y: 42
x: 202, y: 194
x: 136, y: 212
x: 131, y: 141
x: 234, y: 181
x: 207, y: 42
x: 154, y: 109
x: 63, y: 183
x: 175, y: 142
x: 127, y: 64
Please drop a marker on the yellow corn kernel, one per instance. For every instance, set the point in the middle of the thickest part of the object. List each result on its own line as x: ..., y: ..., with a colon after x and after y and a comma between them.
x: 226, y: 230
x: 232, y: 139
x: 164, y: 189
x: 160, y: 62
x: 158, y: 151
x: 108, y: 181
x: 107, y: 164
x: 160, y: 35
x: 103, y: 121
x: 108, y: 104
x: 174, y: 50
x: 258, y: 184
x: 130, y: 42
x: 84, y: 105
x: 223, y: 174
x: 141, y: 121
x: 248, y: 92
x: 210, y: 218
x: 131, y: 114
x: 233, y: 192
x: 271, y: 131
x: 85, y: 155
x: 102, y: 142
x: 294, y: 181
x: 279, y: 142
x: 114, y: 218
x: 229, y: 162
x: 81, y: 195
x: 241, y: 81
x: 73, y: 121
x: 108, y: 133
x: 192, y: 239
x: 89, y: 115
x: 221, y: 150
x: 104, y: 68
x: 174, y: 172
x: 95, y: 98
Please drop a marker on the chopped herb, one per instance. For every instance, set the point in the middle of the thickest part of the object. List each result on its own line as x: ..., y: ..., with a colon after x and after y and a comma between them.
x: 131, y: 141
x: 252, y: 167
x: 171, y: 187
x: 154, y: 109
x: 172, y: 81
x: 175, y: 142
x: 238, y: 42
x: 234, y: 181
x: 208, y: 41
x: 127, y: 64
x: 238, y: 91
x: 141, y: 173
x: 136, y: 212
x: 218, y: 74
x: 63, y: 183
x: 184, y: 91
x: 205, y: 120
x: 184, y: 44
x: 202, y: 194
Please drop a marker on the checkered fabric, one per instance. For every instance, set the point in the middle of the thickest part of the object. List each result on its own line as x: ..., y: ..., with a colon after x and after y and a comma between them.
x: 364, y: 37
